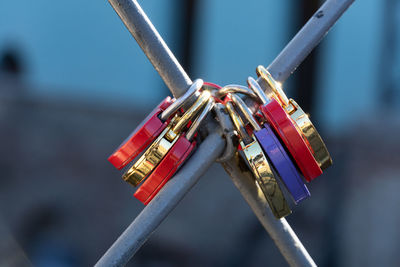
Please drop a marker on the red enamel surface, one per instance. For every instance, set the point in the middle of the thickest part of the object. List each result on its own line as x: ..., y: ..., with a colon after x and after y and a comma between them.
x: 284, y: 126
x: 165, y: 170
x: 141, y: 137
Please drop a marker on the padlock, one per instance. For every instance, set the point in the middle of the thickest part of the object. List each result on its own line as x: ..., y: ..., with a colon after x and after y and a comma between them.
x: 160, y: 147
x: 150, y: 128
x: 285, y: 127
x: 259, y: 166
x: 301, y: 119
x: 276, y: 153
x: 310, y: 134
x: 172, y: 161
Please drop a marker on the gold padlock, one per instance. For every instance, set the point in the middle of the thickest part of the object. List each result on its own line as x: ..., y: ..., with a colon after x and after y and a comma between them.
x: 260, y: 167
x: 310, y: 134
x: 301, y: 119
x: 160, y: 147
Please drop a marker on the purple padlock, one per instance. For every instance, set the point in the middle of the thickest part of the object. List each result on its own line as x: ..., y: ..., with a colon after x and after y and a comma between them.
x: 282, y: 163
x: 276, y: 153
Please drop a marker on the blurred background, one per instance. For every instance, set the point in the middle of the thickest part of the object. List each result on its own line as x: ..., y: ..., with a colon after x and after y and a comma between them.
x: 74, y: 84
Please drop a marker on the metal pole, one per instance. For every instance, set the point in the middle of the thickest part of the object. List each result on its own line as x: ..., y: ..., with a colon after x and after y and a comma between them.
x: 307, y: 38
x: 177, y: 81
x: 148, y: 38
x: 165, y: 201
x: 279, y: 230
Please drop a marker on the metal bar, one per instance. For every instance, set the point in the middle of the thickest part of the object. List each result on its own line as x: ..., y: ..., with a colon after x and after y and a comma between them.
x: 177, y: 80
x: 165, y: 201
x: 279, y: 230
x: 307, y: 38
x: 148, y: 38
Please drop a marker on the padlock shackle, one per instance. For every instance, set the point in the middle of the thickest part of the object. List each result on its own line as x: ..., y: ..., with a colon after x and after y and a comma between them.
x: 235, y: 88
x: 189, y: 114
x: 246, y: 111
x: 256, y: 88
x: 195, y: 125
x: 275, y: 86
x: 238, y: 123
x: 178, y: 103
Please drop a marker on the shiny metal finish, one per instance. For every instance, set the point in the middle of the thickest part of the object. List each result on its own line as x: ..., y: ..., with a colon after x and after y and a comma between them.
x: 310, y: 134
x: 246, y: 111
x: 264, y: 97
x: 238, y: 123
x: 178, y: 103
x: 260, y: 167
x: 235, y: 88
x: 301, y: 120
x: 272, y: 149
x: 178, y: 81
x: 150, y: 158
x: 275, y: 86
x: 195, y: 125
x: 160, y: 147
x: 266, y: 179
x: 188, y: 115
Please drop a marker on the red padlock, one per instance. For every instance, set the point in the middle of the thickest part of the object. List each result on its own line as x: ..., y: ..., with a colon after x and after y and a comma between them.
x: 141, y: 137
x: 174, y: 159
x: 286, y: 129
x: 149, y: 129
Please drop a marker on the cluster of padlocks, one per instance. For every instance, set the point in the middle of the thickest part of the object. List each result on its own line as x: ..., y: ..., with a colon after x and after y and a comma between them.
x: 278, y: 140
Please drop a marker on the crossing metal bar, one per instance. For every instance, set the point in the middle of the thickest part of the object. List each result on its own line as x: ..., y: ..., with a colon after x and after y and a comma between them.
x: 164, y: 202
x: 279, y: 230
x: 152, y: 45
x: 177, y: 80
x: 307, y: 38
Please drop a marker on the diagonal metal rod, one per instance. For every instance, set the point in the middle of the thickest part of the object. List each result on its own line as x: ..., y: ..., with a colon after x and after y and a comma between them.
x: 307, y: 38
x: 164, y: 202
x: 177, y: 80
x: 152, y: 45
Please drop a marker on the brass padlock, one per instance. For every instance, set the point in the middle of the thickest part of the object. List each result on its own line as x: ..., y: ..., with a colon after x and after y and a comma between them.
x: 260, y: 166
x: 159, y: 148
x: 302, y: 121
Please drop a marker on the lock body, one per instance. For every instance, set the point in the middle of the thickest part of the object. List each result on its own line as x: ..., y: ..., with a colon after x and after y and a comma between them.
x: 265, y: 178
x: 165, y: 170
x: 282, y: 163
x: 153, y: 155
x: 310, y: 135
x: 141, y: 137
x: 284, y: 126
